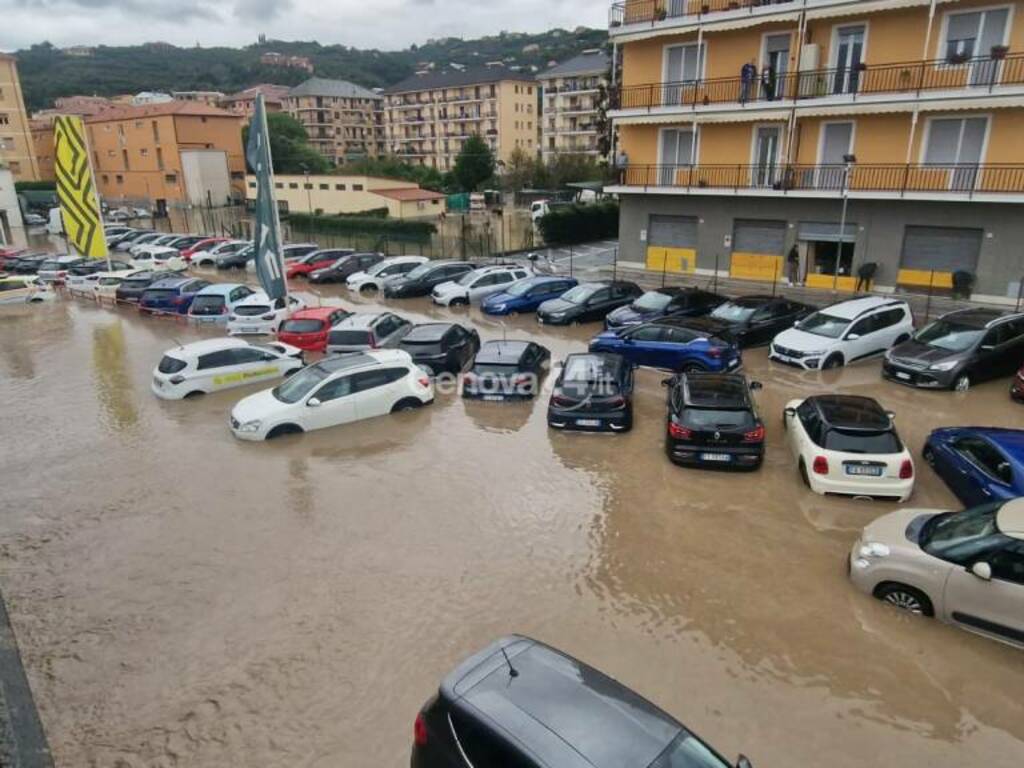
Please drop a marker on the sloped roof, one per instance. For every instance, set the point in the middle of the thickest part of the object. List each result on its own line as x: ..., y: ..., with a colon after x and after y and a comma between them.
x: 453, y: 78
x: 183, y: 108
x: 270, y: 93
x: 406, y: 195
x: 595, y: 63
x: 321, y: 86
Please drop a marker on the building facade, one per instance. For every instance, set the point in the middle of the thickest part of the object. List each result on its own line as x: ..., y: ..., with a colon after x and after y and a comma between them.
x: 210, y: 98
x: 344, y: 121
x: 15, y: 136
x: 334, y: 194
x: 12, y: 228
x: 430, y: 115
x: 244, y: 102
x: 862, y: 132
x: 573, y: 94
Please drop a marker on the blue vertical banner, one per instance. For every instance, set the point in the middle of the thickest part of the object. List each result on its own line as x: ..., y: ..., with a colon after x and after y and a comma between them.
x: 267, y: 230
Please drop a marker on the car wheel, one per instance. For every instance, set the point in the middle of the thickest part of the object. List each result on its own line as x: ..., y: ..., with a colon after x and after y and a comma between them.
x: 903, y: 338
x: 284, y: 429
x: 962, y: 383
x: 803, y: 474
x: 693, y: 368
x: 460, y: 302
x: 833, y: 361
x: 905, y: 598
x: 408, y: 404
x: 367, y: 288
x: 194, y: 394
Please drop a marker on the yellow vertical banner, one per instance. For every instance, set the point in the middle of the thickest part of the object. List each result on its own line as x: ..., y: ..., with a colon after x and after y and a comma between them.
x: 76, y: 188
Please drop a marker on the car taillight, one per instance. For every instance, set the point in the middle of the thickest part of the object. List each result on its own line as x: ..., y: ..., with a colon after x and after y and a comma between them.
x: 906, y: 469
x: 419, y: 731
x: 755, y: 435
x: 424, y: 381
x: 521, y: 379
x: 715, y: 352
x: 223, y: 310
x: 562, y: 400
x: 820, y: 465
x: 616, y: 402
x: 679, y: 432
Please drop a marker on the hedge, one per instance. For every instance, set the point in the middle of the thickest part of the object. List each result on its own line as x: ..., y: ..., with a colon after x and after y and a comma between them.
x: 35, y: 186
x: 580, y: 223
x: 419, y: 231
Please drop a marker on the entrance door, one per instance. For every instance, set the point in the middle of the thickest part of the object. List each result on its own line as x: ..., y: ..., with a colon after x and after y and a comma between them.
x: 777, y: 56
x: 766, y: 155
x: 849, y: 54
x: 835, y: 144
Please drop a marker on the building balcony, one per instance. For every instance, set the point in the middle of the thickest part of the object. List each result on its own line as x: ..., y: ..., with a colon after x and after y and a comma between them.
x: 999, y: 182
x: 909, y: 82
x: 633, y: 16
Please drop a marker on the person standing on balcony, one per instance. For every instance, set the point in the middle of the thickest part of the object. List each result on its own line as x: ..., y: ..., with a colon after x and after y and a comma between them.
x: 748, y: 76
x: 768, y: 81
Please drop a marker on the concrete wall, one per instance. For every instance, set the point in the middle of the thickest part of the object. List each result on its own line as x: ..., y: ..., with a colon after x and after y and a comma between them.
x: 12, y: 230
x: 880, y: 232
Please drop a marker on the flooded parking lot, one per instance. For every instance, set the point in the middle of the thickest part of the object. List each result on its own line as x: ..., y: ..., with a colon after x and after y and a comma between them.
x: 184, y: 599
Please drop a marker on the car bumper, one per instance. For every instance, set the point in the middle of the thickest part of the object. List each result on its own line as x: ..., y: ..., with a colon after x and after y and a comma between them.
x: 261, y: 328
x: 548, y: 320
x: 809, y: 363
x: 443, y: 300
x: 209, y: 319
x: 252, y: 437
x: 881, y: 487
x: 913, y: 377
x: 714, y: 456
x: 165, y: 390
x: 617, y: 421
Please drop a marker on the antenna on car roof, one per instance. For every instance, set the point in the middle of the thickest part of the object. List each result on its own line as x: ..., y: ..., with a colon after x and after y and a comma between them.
x: 512, y: 671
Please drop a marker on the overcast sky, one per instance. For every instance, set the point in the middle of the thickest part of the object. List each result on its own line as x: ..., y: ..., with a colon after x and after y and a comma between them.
x: 383, y: 24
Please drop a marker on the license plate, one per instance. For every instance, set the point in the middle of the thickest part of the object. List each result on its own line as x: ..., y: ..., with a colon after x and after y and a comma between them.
x: 207, y: 320
x: 494, y: 397
x: 715, y: 457
x: 250, y: 329
x: 588, y: 422
x: 856, y: 469
x: 902, y: 375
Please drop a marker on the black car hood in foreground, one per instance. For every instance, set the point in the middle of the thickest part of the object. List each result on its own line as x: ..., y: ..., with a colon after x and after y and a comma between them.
x: 556, y: 306
x: 921, y: 354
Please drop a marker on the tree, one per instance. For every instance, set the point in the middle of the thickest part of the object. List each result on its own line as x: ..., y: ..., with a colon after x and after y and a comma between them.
x: 521, y: 171
x: 395, y: 168
x: 474, y: 165
x: 289, y: 146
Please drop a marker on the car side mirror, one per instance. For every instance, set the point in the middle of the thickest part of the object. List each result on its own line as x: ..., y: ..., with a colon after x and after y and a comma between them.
x: 891, y: 415
x: 313, y: 402
x: 743, y: 762
x: 756, y: 385
x: 852, y: 336
x: 982, y: 570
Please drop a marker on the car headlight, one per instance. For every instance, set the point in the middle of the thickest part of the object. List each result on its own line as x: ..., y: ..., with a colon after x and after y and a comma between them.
x: 873, y: 549
x: 251, y: 426
x: 947, y: 365
x: 499, y: 307
x: 557, y: 315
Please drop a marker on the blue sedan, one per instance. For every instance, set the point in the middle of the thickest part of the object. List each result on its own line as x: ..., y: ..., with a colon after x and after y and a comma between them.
x: 526, y: 295
x: 676, y: 344
x: 979, y: 464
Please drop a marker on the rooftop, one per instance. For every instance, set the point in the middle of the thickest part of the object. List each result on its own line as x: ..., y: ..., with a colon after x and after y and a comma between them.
x: 587, y: 63
x: 454, y: 78
x: 321, y: 86
x: 852, y: 412
x: 182, y: 108
x: 848, y: 310
x: 427, y: 332
x: 411, y: 194
x: 976, y: 317
x: 501, y: 351
x: 270, y: 93
x: 717, y: 390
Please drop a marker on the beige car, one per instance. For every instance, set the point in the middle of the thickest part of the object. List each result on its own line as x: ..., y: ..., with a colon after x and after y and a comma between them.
x: 966, y: 568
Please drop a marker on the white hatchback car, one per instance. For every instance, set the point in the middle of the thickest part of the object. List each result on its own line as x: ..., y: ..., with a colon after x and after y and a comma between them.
x: 475, y: 285
x: 107, y: 282
x: 208, y: 258
x: 373, y: 278
x: 159, y: 257
x: 844, y: 333
x: 215, y: 364
x: 257, y: 315
x: 848, y: 445
x: 337, y: 390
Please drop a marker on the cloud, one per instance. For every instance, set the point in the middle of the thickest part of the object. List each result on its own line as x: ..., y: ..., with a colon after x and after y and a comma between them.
x: 261, y: 10
x: 181, y: 10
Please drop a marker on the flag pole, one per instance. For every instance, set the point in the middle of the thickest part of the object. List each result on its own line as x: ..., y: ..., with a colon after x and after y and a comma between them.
x: 273, y: 198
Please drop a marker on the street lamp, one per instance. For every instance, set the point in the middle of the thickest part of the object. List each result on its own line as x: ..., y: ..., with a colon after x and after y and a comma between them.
x: 848, y: 163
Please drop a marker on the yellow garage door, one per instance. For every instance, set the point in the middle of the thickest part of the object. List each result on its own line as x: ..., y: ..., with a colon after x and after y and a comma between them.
x: 758, y: 246
x: 672, y: 243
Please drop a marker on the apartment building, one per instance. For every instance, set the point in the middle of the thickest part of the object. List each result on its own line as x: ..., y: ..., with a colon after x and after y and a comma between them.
x: 210, y: 98
x: 572, y: 94
x: 344, y: 121
x: 244, y: 102
x: 15, y: 136
x: 747, y: 127
x: 430, y: 115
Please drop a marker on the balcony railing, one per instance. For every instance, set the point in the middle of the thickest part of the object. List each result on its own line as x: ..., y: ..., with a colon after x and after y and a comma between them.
x: 960, y: 178
x: 651, y: 11
x: 979, y: 74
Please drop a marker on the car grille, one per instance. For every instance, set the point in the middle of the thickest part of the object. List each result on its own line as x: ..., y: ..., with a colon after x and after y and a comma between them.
x: 914, y: 365
x: 786, y: 352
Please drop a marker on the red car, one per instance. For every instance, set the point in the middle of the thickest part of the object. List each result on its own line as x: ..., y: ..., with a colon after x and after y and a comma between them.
x: 308, y: 328
x: 316, y: 260
x: 1017, y: 388
x: 202, y: 245
x: 10, y: 253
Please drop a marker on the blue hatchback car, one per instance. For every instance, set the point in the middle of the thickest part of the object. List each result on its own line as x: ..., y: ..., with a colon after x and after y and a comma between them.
x: 979, y: 464
x: 172, y: 296
x: 526, y: 295
x: 676, y: 344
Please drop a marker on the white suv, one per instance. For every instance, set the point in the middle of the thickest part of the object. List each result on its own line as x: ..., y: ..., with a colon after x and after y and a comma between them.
x: 257, y: 315
x: 373, y: 279
x: 844, y: 333
x: 475, y: 285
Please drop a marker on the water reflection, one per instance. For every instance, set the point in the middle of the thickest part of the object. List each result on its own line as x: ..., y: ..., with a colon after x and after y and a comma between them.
x: 115, y: 388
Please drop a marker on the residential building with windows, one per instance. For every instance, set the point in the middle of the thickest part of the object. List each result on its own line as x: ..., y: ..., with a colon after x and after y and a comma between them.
x: 743, y: 126
x: 333, y: 194
x: 212, y: 98
x: 430, y: 115
x: 244, y: 102
x: 573, y: 93
x: 344, y: 121
x: 15, y: 136
x: 12, y: 228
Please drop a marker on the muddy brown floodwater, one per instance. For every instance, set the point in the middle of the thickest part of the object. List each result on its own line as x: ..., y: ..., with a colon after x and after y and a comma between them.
x: 185, y: 599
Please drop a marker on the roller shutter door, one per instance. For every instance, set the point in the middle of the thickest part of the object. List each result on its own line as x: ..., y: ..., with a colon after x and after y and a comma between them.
x: 943, y: 249
x: 673, y: 231
x: 754, y: 236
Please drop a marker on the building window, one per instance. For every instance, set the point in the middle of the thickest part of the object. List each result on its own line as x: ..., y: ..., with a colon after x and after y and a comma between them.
x: 144, y: 152
x: 14, y: 166
x: 119, y: 179
x: 973, y: 34
x: 357, y: 187
x: 252, y: 185
x: 156, y: 132
x: 529, y: 90
x: 278, y: 185
x: 105, y: 178
x: 159, y: 158
x: 202, y: 119
x: 340, y: 187
x: 124, y: 159
x: 293, y: 185
x: 4, y: 119
x: 517, y: 89
x: 237, y: 175
x: 307, y: 186
x: 138, y: 124
x: 171, y: 178
x: 517, y: 106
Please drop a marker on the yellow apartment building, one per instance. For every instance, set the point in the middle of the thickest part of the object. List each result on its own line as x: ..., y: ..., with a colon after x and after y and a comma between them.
x: 15, y: 135
x: 344, y: 121
x: 333, y: 194
x: 743, y: 126
x: 430, y: 115
x: 572, y: 96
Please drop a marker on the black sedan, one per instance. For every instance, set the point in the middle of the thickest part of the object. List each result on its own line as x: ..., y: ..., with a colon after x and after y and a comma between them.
x: 344, y: 267
x: 506, y: 370
x: 422, y: 280
x: 93, y: 266
x: 755, y: 320
x: 587, y: 302
x: 27, y: 265
x: 593, y: 393
x: 441, y: 347
x: 131, y: 290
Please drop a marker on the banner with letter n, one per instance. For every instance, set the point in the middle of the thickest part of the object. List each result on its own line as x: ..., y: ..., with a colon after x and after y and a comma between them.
x: 267, y: 230
x: 76, y: 188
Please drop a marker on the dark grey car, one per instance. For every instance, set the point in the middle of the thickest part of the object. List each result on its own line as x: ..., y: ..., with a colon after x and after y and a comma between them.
x: 959, y: 349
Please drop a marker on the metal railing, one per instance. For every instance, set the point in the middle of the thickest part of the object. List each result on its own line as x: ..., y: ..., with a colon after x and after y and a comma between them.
x: 652, y: 11
x: 960, y: 178
x: 914, y: 77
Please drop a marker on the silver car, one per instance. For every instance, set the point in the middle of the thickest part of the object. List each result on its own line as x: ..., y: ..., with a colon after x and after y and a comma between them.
x: 965, y: 568
x: 367, y: 331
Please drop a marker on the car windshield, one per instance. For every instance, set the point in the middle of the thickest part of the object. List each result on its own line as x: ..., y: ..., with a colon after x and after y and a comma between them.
x: 687, y: 751
x: 518, y: 289
x: 301, y: 326
x: 961, y: 537
x: 468, y: 279
x: 340, y: 261
x: 579, y: 294
x: 420, y: 271
x: 821, y: 324
x: 300, y: 385
x: 343, y: 338
x: 948, y: 336
x: 251, y: 310
x: 652, y: 301
x: 733, y: 313
x: 708, y: 418
x: 170, y: 364
x: 208, y: 305
x: 858, y: 441
x: 377, y: 268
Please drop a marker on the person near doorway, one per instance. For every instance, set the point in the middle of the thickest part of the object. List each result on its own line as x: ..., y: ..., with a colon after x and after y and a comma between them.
x: 768, y: 81
x: 748, y: 76
x: 793, y: 265
x: 866, y: 276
